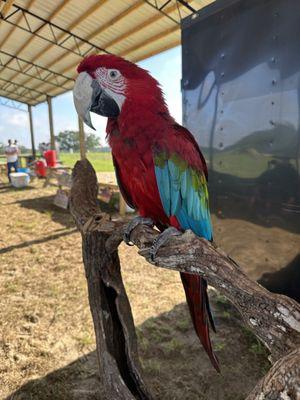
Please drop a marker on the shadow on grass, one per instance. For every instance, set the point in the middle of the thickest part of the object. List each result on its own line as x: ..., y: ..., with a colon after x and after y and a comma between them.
x: 36, y: 241
x: 5, y: 188
x: 45, y: 205
x: 285, y: 281
x: 175, y: 366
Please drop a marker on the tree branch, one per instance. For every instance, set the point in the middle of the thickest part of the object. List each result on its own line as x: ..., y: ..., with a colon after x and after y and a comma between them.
x: 119, y: 366
x: 275, y: 319
x: 282, y: 381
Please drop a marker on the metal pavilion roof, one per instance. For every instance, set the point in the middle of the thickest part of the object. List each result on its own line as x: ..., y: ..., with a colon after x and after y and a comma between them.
x: 42, y: 42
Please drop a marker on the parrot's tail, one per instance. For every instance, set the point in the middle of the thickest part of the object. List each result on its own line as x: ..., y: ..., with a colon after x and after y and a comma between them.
x: 195, y: 289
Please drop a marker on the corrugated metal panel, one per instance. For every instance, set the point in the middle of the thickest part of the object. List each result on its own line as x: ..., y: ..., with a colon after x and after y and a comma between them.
x: 130, y: 28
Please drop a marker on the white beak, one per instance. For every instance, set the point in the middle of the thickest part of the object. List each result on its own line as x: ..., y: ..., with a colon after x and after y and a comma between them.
x: 82, y: 96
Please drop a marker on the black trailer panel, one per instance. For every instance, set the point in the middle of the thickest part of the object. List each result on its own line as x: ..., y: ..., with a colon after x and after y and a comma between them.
x: 241, y: 100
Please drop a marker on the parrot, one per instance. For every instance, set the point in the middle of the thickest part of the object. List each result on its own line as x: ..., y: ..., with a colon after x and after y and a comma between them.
x: 159, y: 167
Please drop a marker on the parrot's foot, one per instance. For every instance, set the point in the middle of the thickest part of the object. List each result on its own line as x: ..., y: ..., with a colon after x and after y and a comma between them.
x: 134, y: 223
x: 161, y: 240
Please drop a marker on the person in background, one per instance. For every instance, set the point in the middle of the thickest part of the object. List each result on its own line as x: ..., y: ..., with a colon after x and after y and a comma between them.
x: 17, y: 148
x: 11, y: 152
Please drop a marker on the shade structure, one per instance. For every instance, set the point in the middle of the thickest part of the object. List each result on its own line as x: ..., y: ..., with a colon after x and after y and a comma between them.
x: 42, y: 42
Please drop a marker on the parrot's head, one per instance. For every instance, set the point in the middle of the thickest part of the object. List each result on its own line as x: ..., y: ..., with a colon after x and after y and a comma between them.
x: 108, y: 84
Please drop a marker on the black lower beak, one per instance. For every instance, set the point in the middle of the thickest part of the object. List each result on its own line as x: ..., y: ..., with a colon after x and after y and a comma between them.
x: 102, y: 103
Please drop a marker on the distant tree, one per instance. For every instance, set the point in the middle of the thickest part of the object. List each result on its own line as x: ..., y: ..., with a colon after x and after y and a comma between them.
x: 92, y: 142
x: 24, y: 149
x: 69, y: 140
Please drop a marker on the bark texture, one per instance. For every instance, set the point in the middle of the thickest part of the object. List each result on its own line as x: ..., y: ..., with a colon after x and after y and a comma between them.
x: 275, y: 319
x: 119, y: 365
x: 282, y: 381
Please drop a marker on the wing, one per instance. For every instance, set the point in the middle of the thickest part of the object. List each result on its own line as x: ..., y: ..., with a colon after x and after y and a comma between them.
x: 183, y: 191
x: 123, y: 190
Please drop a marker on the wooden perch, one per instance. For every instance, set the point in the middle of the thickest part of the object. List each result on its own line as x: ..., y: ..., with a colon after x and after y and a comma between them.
x: 275, y: 319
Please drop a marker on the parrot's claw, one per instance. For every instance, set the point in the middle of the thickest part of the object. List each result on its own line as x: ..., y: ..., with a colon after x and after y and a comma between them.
x: 134, y: 223
x: 161, y: 240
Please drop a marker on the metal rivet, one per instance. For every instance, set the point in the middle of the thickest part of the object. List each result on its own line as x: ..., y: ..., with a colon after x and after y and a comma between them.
x: 273, y: 59
x: 222, y: 55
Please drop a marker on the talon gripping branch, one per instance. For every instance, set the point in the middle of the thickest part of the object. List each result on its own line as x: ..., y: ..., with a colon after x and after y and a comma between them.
x: 159, y: 166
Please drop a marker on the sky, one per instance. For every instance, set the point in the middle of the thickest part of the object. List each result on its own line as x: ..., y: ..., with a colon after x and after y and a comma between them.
x: 165, y: 67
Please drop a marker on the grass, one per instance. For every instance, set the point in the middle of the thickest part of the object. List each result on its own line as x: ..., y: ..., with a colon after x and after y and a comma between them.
x: 102, y: 162
x: 46, y: 331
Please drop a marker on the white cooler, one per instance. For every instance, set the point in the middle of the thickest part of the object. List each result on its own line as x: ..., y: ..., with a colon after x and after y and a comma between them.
x: 19, y: 179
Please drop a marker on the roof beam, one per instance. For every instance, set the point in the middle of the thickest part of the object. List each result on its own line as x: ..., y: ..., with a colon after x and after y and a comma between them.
x: 160, y: 9
x: 52, y: 29
x: 111, y: 22
x: 140, y: 27
x: 62, y: 34
x: 4, y: 40
x: 133, y: 31
x: 150, y: 40
x: 160, y: 50
x: 6, y: 102
x: 54, y: 13
x: 26, y: 88
x: 14, y: 95
x: 186, y: 4
x: 178, y: 3
x: 34, y: 71
x: 7, y: 6
x: 114, y: 20
x: 85, y: 15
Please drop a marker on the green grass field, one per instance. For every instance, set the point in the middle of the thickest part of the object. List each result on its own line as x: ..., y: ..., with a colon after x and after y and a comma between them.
x: 102, y: 162
x: 243, y: 165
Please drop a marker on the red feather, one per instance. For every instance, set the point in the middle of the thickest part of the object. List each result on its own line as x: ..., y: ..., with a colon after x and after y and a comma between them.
x: 143, y: 125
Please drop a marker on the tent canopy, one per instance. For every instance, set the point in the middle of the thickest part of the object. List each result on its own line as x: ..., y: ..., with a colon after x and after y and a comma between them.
x: 42, y: 42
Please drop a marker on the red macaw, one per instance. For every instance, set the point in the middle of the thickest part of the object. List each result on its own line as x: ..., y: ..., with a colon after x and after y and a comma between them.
x: 159, y: 166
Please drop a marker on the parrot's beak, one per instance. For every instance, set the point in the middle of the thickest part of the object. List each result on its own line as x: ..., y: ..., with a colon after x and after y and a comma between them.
x: 89, y: 96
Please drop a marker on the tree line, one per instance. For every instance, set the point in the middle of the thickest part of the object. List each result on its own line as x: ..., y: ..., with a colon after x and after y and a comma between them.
x: 67, y: 141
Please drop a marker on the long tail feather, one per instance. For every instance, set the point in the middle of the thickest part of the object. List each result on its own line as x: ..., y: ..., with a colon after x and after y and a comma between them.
x: 196, y: 294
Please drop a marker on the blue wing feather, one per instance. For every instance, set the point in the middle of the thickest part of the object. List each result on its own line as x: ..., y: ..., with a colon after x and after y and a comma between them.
x: 183, y: 193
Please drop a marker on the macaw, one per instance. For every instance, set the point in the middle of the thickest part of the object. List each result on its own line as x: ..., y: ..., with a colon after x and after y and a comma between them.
x: 159, y: 167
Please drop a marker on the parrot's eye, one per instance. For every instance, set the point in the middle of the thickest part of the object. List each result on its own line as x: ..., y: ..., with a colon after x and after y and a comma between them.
x: 113, y: 74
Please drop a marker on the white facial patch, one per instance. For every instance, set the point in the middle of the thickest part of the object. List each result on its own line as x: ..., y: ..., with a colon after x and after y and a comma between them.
x: 118, y: 97
x: 115, y: 88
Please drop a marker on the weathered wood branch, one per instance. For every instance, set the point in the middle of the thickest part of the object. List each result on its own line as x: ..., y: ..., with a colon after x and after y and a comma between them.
x: 119, y: 365
x: 275, y: 319
x: 282, y: 382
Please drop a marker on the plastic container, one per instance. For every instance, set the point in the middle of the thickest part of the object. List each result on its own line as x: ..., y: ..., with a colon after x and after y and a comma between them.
x: 25, y: 170
x: 50, y: 157
x: 19, y: 179
x: 40, y: 168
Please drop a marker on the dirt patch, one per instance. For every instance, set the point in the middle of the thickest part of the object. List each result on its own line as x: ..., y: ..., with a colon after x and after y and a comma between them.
x: 46, y: 334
